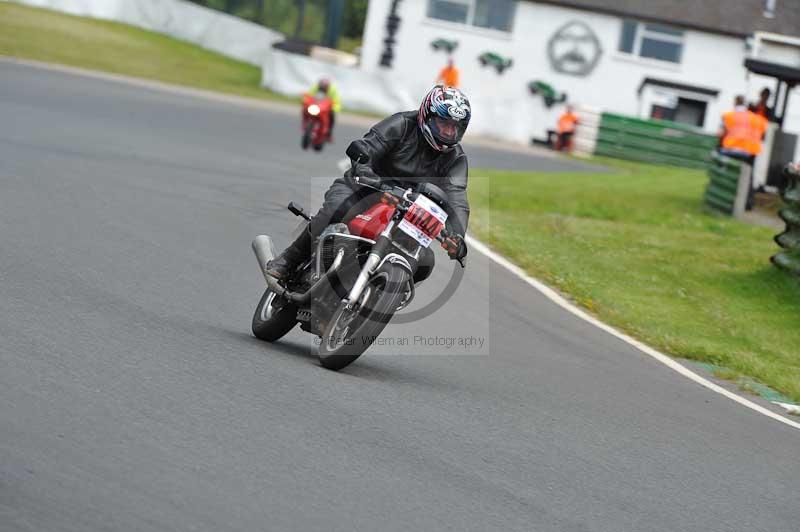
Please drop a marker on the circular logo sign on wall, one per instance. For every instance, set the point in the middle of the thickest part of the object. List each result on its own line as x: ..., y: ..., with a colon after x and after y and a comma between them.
x: 574, y: 49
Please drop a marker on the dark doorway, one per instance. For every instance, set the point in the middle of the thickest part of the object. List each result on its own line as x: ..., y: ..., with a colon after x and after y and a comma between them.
x: 692, y: 112
x: 687, y: 111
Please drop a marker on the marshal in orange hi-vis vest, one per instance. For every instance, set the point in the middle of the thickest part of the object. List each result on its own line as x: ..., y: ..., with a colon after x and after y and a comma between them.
x: 744, y: 131
x: 449, y: 76
x: 567, y: 123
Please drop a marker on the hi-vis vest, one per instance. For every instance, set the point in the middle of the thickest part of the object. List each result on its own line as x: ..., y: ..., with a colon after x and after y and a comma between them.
x: 744, y: 131
x: 449, y: 76
x: 567, y: 122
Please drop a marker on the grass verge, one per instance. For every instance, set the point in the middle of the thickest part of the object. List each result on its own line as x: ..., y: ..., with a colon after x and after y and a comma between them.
x: 636, y: 248
x: 44, y: 35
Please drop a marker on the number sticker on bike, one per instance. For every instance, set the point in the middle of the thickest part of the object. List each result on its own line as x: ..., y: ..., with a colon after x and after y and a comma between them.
x: 423, y: 221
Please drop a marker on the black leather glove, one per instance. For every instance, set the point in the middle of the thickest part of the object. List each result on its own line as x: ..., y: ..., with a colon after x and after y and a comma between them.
x: 456, y: 247
x: 363, y: 174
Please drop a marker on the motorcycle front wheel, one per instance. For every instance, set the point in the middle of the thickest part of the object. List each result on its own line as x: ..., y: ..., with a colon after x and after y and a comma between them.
x: 306, y: 140
x: 352, y: 331
x: 274, y: 317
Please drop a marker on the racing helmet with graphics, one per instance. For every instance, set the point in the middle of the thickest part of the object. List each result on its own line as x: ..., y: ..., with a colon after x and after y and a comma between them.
x: 443, y: 117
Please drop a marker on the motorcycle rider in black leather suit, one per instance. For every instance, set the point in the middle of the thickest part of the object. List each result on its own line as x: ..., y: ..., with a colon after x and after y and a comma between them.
x: 422, y: 146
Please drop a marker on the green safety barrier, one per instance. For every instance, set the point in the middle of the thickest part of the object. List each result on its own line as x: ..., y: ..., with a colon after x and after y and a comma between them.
x: 654, y: 141
x: 723, y: 183
x: 789, y: 240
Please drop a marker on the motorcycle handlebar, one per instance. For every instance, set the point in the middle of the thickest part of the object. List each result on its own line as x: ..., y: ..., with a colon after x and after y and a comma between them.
x: 400, y: 193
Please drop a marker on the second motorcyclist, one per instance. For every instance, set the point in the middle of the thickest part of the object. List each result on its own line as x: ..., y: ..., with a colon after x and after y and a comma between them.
x: 420, y: 146
x: 328, y: 88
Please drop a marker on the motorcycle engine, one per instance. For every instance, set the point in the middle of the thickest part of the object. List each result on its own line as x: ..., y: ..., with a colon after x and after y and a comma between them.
x: 332, y: 242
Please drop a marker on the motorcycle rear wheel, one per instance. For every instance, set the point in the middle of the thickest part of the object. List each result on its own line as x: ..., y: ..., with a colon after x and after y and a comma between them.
x: 351, y: 332
x: 273, y: 317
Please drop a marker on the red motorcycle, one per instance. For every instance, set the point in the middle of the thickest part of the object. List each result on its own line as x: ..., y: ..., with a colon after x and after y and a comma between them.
x: 359, y: 275
x: 316, y: 121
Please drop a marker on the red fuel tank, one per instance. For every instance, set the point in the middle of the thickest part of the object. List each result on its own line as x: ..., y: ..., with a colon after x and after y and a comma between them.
x: 369, y: 224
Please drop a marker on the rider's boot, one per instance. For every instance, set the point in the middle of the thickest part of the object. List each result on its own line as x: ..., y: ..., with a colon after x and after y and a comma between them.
x: 297, y: 252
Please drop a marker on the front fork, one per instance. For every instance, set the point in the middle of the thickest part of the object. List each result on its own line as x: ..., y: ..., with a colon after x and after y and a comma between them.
x: 363, y: 279
x: 379, y: 250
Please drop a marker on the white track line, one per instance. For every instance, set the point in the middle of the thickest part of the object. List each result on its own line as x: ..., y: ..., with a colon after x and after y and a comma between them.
x: 559, y: 300
x: 548, y: 292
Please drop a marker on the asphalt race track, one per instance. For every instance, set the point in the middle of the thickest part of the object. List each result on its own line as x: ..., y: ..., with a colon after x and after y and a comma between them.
x: 133, y: 396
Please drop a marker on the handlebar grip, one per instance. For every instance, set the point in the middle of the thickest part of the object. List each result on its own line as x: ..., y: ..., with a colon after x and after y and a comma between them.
x: 368, y: 181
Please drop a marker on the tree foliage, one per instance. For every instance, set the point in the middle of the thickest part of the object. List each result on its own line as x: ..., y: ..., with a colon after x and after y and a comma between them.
x: 281, y: 15
x: 355, y: 16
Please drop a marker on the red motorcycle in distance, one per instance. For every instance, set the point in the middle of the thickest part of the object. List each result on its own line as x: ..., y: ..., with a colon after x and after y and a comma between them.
x: 316, y: 121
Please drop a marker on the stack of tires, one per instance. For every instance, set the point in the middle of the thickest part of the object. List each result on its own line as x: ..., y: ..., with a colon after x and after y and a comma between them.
x: 789, y: 240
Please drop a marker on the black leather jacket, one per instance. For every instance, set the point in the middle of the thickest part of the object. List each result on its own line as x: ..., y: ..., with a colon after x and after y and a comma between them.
x: 396, y: 148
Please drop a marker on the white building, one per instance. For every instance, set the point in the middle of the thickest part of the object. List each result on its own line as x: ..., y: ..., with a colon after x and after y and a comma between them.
x: 671, y: 59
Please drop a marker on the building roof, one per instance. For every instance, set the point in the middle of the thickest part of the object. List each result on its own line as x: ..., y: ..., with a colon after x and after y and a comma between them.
x: 785, y: 73
x: 730, y: 17
x: 675, y: 85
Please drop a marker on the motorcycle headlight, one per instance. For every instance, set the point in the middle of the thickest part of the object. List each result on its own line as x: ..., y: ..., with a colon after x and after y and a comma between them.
x: 313, y: 109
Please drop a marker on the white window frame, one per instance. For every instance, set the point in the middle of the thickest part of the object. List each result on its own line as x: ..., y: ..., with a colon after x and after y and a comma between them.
x: 642, y: 32
x: 470, y: 21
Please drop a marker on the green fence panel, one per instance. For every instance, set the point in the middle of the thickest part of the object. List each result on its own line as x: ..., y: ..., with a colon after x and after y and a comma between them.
x: 654, y: 141
x: 653, y: 157
x: 789, y: 258
x: 719, y: 195
x: 661, y: 137
x: 693, y: 153
x: 723, y: 183
x: 679, y: 133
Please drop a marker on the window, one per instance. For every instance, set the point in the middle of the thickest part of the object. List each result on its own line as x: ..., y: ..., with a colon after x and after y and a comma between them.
x: 492, y: 14
x: 451, y: 10
x: 652, y: 41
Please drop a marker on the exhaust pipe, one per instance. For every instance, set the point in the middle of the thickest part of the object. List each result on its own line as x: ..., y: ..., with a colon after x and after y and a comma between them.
x: 265, y: 252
